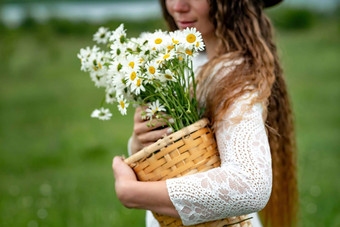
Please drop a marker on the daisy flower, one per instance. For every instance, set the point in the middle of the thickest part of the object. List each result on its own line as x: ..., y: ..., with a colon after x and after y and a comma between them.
x: 97, y: 61
x: 158, y: 40
x: 102, y: 114
x: 99, y: 79
x: 102, y: 35
x: 122, y: 105
x: 117, y: 50
x: 137, y: 86
x: 154, y: 108
x: 192, y: 39
x: 131, y: 77
x: 85, y: 55
x: 118, y: 35
x: 168, y: 76
x: 115, y: 67
x: 131, y: 62
x: 164, y: 56
x: 152, y: 70
x: 110, y: 95
x: 185, y: 52
x: 167, y: 56
x: 176, y: 36
x: 119, y: 84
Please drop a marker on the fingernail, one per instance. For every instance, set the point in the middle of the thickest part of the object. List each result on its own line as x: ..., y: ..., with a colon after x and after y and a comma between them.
x: 170, y: 130
x: 171, y: 121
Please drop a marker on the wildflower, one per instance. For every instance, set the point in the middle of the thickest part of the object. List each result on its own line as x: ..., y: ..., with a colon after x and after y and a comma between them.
x: 158, y: 40
x: 119, y: 35
x: 131, y: 63
x: 85, y: 55
x: 192, y: 39
x: 115, y: 67
x: 168, y: 75
x: 110, y: 95
x: 175, y: 37
x: 154, y: 108
x: 102, y: 35
x: 122, y: 105
x: 167, y: 56
x: 131, y: 76
x: 152, y: 70
x: 102, y: 114
x: 119, y: 84
x: 137, y: 86
x: 98, y: 78
x: 117, y: 50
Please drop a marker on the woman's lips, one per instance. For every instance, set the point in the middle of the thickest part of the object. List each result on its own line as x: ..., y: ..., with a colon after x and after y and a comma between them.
x: 185, y: 24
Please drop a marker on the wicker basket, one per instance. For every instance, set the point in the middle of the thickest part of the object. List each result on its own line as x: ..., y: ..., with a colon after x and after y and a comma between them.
x: 190, y: 150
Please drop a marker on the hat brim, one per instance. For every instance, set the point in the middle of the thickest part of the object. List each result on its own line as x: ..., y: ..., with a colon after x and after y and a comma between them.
x: 269, y: 3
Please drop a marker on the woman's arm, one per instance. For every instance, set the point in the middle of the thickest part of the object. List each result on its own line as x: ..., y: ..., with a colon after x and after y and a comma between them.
x: 141, y: 195
x: 242, y: 184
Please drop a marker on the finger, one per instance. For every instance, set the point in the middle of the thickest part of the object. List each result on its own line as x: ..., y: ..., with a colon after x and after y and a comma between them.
x: 138, y: 114
x: 116, y: 162
x: 146, y: 126
x: 153, y: 136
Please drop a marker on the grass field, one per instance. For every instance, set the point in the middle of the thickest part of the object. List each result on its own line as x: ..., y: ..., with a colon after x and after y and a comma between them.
x: 55, y: 163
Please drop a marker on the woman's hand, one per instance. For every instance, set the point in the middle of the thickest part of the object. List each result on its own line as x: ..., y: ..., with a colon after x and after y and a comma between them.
x: 125, y: 179
x: 131, y: 193
x: 143, y: 135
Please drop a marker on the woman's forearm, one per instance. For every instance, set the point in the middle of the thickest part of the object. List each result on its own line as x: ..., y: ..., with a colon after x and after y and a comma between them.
x: 149, y: 196
x: 141, y: 195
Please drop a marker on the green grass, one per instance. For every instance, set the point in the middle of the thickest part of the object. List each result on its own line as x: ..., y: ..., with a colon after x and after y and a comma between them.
x: 55, y: 163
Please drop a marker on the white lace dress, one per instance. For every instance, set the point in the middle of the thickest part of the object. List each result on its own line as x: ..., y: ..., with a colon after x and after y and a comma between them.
x: 242, y: 185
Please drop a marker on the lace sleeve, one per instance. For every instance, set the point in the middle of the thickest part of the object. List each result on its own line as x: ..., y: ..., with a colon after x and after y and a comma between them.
x: 242, y: 184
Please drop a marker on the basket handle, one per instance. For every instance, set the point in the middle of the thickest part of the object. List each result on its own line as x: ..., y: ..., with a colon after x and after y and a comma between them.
x: 146, y: 151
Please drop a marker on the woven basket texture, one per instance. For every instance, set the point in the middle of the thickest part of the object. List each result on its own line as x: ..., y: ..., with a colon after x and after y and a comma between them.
x: 190, y: 150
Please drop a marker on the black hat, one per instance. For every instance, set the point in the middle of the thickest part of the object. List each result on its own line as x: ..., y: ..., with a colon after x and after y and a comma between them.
x: 268, y: 3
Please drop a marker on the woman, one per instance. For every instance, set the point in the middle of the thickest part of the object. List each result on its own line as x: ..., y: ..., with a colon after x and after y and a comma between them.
x: 244, y: 95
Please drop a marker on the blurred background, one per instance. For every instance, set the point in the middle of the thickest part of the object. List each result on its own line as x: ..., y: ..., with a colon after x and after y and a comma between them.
x: 55, y: 161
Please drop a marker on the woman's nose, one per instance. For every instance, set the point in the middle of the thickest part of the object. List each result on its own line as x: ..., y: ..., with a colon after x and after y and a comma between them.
x: 181, y: 6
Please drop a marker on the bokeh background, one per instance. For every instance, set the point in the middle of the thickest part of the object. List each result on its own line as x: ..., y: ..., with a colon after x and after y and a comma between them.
x: 55, y: 161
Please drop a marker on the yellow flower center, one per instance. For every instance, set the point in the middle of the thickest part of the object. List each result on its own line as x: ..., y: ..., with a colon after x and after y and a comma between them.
x: 155, y: 111
x: 188, y: 52
x: 133, y: 76
x: 166, y: 56
x: 132, y: 64
x: 191, y: 38
x: 100, y: 65
x: 122, y: 104
x: 180, y: 58
x: 158, y: 41
x: 152, y: 69
x: 170, y: 47
x: 197, y: 44
x: 169, y: 77
x: 174, y: 41
x: 141, y: 60
x: 95, y: 68
x: 139, y: 82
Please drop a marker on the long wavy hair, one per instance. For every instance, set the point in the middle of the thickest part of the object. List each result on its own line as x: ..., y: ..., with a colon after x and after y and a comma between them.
x: 244, y: 32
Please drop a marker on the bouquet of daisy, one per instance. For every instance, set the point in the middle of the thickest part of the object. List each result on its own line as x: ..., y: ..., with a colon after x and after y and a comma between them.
x: 154, y: 70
